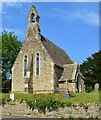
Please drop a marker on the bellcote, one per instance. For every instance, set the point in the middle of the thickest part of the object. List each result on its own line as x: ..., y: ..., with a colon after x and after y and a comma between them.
x: 33, y: 16
x: 33, y: 29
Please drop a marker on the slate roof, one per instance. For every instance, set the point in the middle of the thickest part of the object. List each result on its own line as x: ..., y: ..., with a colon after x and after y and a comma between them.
x: 58, y: 55
x: 68, y: 72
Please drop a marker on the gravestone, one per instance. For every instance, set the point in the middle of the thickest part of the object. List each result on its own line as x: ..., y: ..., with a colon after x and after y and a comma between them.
x: 66, y: 95
x: 12, y: 96
x: 96, y: 87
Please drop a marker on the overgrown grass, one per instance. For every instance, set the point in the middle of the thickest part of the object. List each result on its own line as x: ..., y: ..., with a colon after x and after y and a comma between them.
x: 77, y: 97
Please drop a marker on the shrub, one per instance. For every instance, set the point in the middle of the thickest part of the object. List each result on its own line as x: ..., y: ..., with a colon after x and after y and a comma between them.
x: 88, y: 89
x: 3, y: 102
x: 5, y: 90
x: 71, y: 117
x: 42, y: 103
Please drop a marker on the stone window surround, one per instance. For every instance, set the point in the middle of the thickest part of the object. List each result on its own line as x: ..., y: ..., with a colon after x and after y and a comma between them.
x: 39, y: 64
x: 23, y: 63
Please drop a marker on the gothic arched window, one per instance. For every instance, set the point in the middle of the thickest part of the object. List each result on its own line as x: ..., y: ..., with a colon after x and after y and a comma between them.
x: 32, y: 17
x: 37, y: 64
x: 25, y: 65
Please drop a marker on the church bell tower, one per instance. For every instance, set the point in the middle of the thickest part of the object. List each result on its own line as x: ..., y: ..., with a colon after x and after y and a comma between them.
x: 33, y: 30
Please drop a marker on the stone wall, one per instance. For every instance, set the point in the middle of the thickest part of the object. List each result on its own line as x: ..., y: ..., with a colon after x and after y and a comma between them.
x: 85, y: 110
x: 41, y: 82
x: 57, y: 74
x: 70, y: 86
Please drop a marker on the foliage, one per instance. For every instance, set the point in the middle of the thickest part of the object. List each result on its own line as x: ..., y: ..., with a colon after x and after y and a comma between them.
x: 3, y: 102
x: 88, y: 88
x: 91, y: 70
x: 78, y: 97
x: 10, y: 48
x: 42, y: 104
x: 6, y: 86
x: 51, y: 102
x: 71, y: 117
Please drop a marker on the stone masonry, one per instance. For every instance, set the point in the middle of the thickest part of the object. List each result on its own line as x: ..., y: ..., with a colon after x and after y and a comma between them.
x: 40, y: 64
x: 76, y: 110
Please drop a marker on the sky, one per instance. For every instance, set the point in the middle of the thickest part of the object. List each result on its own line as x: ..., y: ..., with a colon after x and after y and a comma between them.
x: 73, y: 26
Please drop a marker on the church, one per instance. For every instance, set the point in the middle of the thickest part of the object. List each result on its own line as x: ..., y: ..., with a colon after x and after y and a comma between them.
x: 43, y: 67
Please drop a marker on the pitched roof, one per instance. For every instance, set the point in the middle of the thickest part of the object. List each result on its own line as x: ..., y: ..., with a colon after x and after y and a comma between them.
x: 68, y: 72
x: 58, y: 55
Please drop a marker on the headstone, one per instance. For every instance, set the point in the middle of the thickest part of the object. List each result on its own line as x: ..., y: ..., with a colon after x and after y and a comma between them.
x: 96, y: 87
x: 12, y: 96
x: 66, y: 95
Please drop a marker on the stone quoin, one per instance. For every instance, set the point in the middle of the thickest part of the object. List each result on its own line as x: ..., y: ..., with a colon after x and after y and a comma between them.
x: 42, y: 66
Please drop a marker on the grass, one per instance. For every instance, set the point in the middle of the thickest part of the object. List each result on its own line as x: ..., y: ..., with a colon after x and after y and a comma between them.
x: 77, y: 97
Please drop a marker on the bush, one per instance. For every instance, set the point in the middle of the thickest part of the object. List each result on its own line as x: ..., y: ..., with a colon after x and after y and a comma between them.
x: 88, y: 89
x: 3, y: 102
x: 42, y: 103
x: 5, y: 90
x: 6, y: 86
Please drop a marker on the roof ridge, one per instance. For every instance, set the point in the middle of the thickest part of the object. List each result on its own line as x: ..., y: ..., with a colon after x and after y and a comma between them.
x: 58, y: 55
x: 69, y: 64
x: 53, y: 43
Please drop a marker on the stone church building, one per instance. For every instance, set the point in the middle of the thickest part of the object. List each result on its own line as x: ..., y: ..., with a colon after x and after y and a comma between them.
x: 42, y: 66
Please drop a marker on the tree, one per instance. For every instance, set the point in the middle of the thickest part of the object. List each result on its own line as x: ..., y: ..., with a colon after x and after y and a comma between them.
x: 10, y: 49
x: 91, y: 69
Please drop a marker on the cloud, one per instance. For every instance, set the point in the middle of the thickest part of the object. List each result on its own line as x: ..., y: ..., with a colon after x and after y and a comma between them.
x: 86, y: 16
x: 8, y: 17
x: 3, y: 12
x: 12, y: 4
x: 91, y: 18
x: 8, y: 5
x: 17, y: 31
x: 1, y: 8
x: 0, y: 5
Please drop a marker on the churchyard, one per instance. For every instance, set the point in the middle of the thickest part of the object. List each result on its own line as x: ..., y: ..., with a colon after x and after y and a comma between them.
x: 52, y: 105
x: 78, y: 105
x: 75, y: 97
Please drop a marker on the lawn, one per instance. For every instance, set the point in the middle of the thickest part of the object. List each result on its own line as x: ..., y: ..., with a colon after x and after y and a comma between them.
x: 77, y: 97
